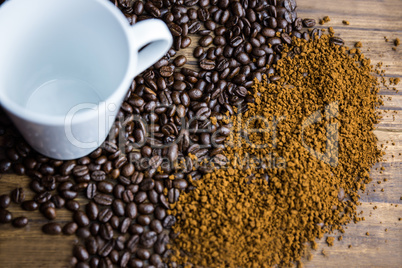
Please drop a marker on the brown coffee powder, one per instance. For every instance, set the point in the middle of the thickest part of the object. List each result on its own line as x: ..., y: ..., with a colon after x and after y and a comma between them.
x: 295, y: 162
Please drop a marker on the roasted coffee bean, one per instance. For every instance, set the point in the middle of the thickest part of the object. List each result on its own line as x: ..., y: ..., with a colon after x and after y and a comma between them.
x: 72, y: 205
x: 125, y: 258
x: 92, y: 210
x: 70, y: 228
x: 160, y: 213
x: 118, y: 207
x: 18, y: 195
x: 68, y: 194
x: 20, y: 222
x: 309, y: 23
x: 106, y: 248
x: 148, y: 239
x: 127, y: 170
x: 105, y: 215
x: 5, y: 216
x: 146, y: 208
x: 336, y: 41
x: 144, y: 220
x: 30, y: 205
x: 132, y: 243
x: 105, y: 187
x: 91, y: 190
x: 58, y: 201
x: 50, y: 213
x: 80, y: 253
x: 131, y: 210
x: 169, y: 221
x: 5, y: 201
x: 43, y: 197
x: 140, y: 197
x: 156, y: 226
x: 124, y: 225
x: 103, y: 199
x: 180, y: 61
x: 81, y: 218
x: 156, y: 260
x: 127, y: 196
x: 118, y: 191
x: 52, y: 228
x: 80, y: 170
x: 5, y: 166
x: 83, y: 232
x: 98, y: 175
x: 91, y: 245
x: 206, y: 40
x: 106, y: 231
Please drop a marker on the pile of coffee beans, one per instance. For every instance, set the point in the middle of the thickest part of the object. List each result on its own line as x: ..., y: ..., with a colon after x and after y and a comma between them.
x: 162, y: 131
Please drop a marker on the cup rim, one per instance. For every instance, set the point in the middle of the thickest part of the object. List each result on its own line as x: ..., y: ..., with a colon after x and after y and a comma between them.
x: 58, y: 120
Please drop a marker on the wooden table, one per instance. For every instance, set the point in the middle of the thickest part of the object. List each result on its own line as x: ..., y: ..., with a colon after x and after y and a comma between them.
x: 370, y: 21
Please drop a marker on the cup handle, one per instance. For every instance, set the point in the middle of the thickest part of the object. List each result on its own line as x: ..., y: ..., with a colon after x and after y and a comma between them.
x: 156, y: 35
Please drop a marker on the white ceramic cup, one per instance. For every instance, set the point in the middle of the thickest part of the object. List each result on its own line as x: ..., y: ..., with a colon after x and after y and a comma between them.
x: 66, y: 66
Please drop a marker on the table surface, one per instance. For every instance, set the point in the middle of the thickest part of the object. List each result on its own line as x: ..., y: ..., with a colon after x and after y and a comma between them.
x: 370, y: 21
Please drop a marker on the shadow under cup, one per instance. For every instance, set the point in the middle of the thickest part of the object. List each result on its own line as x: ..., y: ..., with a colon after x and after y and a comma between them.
x: 57, y: 56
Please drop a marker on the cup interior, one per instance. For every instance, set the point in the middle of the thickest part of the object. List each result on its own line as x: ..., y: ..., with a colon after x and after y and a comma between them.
x: 58, y: 54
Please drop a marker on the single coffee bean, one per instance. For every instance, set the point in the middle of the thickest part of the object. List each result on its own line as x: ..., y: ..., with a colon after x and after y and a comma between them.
x: 160, y: 213
x: 91, y: 190
x: 105, y: 215
x: 106, y: 248
x: 103, y: 199
x: 336, y: 41
x: 148, y: 239
x: 146, y: 208
x: 144, y: 220
x: 70, y: 228
x: 106, y: 231
x: 80, y: 253
x: 156, y: 226
x: 72, y: 205
x: 143, y: 254
x: 98, y: 175
x: 20, y: 222
x: 52, y: 228
x: 309, y: 23
x: 169, y: 221
x: 91, y: 245
x: 83, y: 232
x: 5, y: 201
x: 125, y: 224
x: 118, y: 207
x: 50, y: 213
x: 58, y: 201
x: 81, y: 218
x: 92, y: 210
x: 94, y: 228
x: 105, y: 187
x: 30, y: 205
x: 5, y: 216
x: 69, y: 194
x: 132, y: 243
x: 18, y: 195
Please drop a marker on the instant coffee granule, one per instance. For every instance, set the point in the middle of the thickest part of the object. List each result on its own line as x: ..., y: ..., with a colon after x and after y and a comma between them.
x: 295, y: 162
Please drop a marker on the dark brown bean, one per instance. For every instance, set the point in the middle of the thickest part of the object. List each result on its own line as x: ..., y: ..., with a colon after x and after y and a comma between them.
x: 80, y: 253
x: 18, y: 195
x: 309, y: 23
x: 5, y: 216
x: 52, y: 228
x: 81, y: 218
x: 103, y: 199
x: 70, y: 228
x: 20, y: 222
x: 5, y: 201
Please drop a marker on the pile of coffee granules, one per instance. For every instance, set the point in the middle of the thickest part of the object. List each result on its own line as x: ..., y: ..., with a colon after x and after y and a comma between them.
x: 295, y: 162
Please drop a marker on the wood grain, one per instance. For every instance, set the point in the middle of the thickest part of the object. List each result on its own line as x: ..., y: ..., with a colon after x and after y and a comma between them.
x: 370, y: 21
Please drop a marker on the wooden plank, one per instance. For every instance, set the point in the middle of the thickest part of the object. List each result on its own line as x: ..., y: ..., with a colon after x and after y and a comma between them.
x: 370, y: 21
